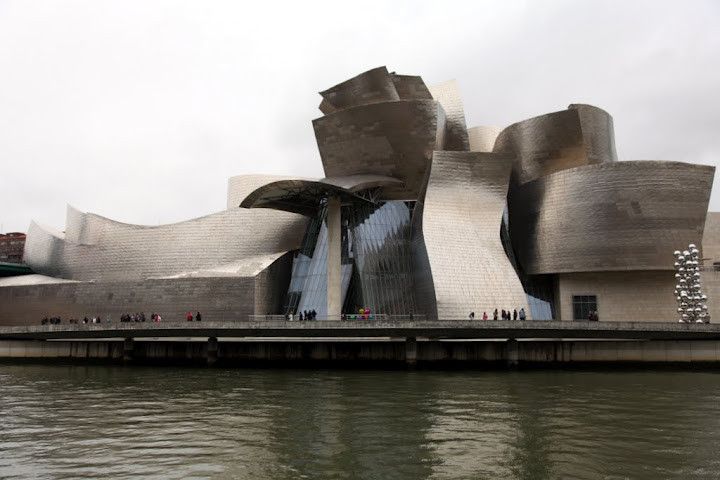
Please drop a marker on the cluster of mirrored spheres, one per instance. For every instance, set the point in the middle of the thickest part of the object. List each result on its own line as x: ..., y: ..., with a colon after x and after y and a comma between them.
x: 417, y: 216
x: 692, y: 303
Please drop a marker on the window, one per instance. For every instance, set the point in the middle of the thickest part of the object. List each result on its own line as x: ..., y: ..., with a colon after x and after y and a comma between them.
x: 583, y: 305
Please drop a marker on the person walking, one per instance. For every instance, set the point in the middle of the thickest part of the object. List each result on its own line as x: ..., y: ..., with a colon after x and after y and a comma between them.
x: 484, y: 317
x: 514, y: 314
x: 522, y: 314
x: 189, y: 317
x: 198, y: 317
x: 503, y: 315
x: 471, y: 316
x: 495, y: 315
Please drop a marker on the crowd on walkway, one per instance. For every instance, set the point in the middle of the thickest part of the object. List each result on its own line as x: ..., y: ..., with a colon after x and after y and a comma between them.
x: 140, y: 317
x: 125, y: 318
x: 58, y: 320
x: 304, y: 315
x: 504, y: 315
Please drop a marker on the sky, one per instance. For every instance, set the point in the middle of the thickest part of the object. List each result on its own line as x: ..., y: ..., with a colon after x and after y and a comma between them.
x: 141, y: 110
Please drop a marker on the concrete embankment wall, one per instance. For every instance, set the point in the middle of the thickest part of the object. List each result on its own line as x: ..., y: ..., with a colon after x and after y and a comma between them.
x: 369, y: 352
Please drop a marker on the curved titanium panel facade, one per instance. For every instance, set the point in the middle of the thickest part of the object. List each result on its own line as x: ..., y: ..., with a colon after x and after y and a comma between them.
x: 482, y: 138
x: 121, y: 251
x: 458, y: 238
x: 611, y: 216
x: 393, y: 139
x: 305, y: 196
x: 372, y: 86
x: 218, y: 297
x: 580, y: 135
x: 448, y: 95
x: 410, y: 87
x: 240, y: 186
x: 357, y: 183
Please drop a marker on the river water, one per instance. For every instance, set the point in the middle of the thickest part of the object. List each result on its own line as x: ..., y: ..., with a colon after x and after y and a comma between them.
x: 70, y: 421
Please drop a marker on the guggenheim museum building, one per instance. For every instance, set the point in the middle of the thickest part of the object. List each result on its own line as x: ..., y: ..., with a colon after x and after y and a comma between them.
x: 417, y: 214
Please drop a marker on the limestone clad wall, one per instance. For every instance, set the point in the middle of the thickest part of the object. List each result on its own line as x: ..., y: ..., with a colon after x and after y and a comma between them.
x: 217, y: 298
x: 637, y: 296
x: 711, y: 239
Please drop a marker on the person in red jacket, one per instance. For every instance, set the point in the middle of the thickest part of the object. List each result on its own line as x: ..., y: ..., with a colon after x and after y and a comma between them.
x: 189, y: 317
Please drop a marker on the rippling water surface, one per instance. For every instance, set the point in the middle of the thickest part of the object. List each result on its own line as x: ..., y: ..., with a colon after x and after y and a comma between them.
x: 113, y: 422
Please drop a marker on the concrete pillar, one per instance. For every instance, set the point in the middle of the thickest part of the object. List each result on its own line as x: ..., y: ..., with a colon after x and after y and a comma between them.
x: 334, y: 258
x: 212, y: 351
x: 128, y: 348
x: 411, y: 351
x: 512, y: 353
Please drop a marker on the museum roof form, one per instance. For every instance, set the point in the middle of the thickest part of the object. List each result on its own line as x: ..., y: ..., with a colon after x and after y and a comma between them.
x: 304, y: 196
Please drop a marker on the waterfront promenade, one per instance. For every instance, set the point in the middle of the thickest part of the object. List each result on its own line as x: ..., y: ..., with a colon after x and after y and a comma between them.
x: 432, y: 329
x: 367, y: 342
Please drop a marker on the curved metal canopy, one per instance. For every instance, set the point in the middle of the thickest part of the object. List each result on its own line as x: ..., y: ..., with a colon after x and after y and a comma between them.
x: 304, y: 196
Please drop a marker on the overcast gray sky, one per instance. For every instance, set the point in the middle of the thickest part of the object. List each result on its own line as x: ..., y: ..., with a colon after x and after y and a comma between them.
x: 141, y: 110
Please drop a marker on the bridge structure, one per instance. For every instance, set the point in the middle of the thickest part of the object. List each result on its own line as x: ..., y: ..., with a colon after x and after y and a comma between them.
x: 364, y: 341
x: 430, y: 329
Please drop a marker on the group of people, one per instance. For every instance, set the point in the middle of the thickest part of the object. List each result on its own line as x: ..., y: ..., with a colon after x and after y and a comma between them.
x: 139, y: 317
x: 125, y: 317
x: 504, y: 315
x: 189, y: 317
x: 132, y: 317
x: 51, y: 321
x: 304, y: 315
x: 58, y: 320
x: 593, y: 316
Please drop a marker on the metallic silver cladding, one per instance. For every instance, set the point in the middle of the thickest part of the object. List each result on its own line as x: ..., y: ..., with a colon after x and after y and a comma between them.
x: 228, y: 298
x: 580, y: 135
x: 304, y: 196
x: 391, y: 139
x: 372, y: 86
x: 120, y: 251
x: 448, y: 95
x: 482, y: 138
x: 240, y: 186
x: 598, y: 133
x: 356, y: 183
x: 74, y: 224
x: 457, y: 238
x: 410, y: 87
x: 628, y: 215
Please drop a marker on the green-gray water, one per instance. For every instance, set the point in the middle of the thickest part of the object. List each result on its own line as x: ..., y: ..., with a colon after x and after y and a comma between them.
x: 114, y: 422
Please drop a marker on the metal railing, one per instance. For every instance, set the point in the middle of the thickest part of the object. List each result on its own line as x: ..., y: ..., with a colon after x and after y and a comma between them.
x: 372, y: 317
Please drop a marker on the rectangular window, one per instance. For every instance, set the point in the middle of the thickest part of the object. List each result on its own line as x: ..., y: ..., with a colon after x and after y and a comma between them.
x: 583, y: 305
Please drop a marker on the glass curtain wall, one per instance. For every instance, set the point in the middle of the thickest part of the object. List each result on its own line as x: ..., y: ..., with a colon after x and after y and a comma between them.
x: 379, y: 238
x: 375, y: 255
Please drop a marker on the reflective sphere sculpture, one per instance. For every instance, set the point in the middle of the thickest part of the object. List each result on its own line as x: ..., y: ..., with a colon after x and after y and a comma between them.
x: 691, y: 301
